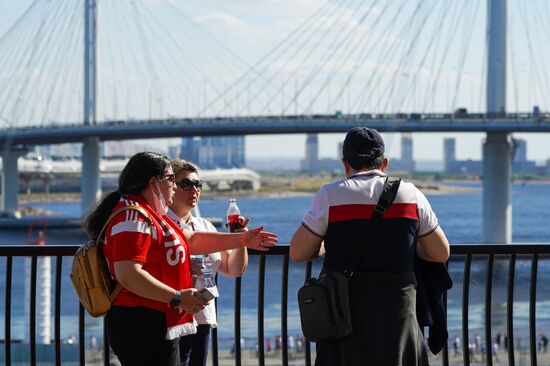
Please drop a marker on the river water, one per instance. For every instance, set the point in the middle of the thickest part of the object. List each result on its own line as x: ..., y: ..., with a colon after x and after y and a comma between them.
x: 459, y: 215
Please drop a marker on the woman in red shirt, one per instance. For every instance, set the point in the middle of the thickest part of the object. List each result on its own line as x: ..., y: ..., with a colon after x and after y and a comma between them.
x: 152, y: 263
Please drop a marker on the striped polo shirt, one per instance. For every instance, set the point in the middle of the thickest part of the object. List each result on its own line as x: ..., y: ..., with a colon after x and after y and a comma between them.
x: 341, y: 214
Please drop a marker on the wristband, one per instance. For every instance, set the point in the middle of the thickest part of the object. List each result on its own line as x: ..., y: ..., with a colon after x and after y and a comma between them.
x: 175, y: 302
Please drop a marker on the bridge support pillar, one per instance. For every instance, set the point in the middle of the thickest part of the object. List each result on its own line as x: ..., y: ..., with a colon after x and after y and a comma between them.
x: 90, y: 184
x: 497, y: 170
x: 10, y: 179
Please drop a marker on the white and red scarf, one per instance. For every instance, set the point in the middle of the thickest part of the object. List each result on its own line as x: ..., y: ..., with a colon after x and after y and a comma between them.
x: 175, y: 272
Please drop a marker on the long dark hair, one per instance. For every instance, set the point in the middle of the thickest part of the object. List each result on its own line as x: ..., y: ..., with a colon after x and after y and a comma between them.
x: 133, y: 179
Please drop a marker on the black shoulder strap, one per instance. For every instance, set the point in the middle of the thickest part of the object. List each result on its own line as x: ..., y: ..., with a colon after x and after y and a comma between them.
x: 391, y: 186
x: 386, y: 199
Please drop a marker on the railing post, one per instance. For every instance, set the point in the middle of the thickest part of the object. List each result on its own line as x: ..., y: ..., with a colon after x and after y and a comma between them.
x: 308, y: 343
x: 81, y: 339
x: 237, y: 342
x: 532, y: 310
x: 488, y: 296
x: 284, y: 309
x: 7, y: 315
x: 32, y: 320
x: 510, y: 310
x: 465, y: 301
x: 57, y: 309
x: 261, y: 287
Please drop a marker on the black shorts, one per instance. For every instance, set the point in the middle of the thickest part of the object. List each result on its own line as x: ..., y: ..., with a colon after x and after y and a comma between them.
x: 137, y: 336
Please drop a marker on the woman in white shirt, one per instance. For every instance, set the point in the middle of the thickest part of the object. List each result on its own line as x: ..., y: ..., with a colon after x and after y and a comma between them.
x: 232, y: 263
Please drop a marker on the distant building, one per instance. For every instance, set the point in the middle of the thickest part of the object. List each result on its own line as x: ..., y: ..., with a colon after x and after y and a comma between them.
x: 222, y: 152
x: 312, y: 163
x: 520, y: 164
x: 189, y: 149
x: 449, y: 153
x: 520, y: 150
x: 312, y: 153
x: 406, y: 162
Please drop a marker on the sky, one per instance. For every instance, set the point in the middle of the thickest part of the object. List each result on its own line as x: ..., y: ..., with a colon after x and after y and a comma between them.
x: 426, y: 67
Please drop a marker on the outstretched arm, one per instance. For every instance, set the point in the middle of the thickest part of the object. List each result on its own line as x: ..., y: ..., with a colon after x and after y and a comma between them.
x: 201, y: 242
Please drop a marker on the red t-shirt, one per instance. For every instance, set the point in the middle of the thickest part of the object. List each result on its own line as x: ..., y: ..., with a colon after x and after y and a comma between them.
x: 128, y: 237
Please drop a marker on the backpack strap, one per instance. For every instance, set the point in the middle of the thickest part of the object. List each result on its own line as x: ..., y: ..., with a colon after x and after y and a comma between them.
x: 122, y: 209
x: 137, y: 208
x: 391, y: 186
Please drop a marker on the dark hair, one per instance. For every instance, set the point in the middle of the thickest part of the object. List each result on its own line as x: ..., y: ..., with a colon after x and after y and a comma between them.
x: 361, y: 162
x: 180, y: 165
x: 133, y: 179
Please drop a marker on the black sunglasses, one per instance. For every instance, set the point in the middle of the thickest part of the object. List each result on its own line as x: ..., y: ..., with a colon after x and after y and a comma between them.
x: 186, y: 184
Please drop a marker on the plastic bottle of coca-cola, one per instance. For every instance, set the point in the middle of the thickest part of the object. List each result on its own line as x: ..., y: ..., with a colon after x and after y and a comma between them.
x: 233, y: 214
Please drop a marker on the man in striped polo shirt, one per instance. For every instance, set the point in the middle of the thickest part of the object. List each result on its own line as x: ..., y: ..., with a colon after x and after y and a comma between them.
x: 383, y: 285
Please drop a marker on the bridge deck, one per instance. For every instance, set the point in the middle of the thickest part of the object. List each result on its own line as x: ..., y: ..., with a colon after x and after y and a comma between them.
x: 219, y: 126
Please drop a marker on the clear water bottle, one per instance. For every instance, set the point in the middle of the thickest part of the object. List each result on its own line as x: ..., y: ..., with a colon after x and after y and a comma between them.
x: 233, y: 214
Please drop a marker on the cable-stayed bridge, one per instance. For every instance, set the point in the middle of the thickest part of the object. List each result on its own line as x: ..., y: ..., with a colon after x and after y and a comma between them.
x: 147, y: 70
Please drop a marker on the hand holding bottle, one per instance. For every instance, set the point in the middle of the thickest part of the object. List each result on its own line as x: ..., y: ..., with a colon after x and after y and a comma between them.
x: 241, y: 226
x: 234, y: 221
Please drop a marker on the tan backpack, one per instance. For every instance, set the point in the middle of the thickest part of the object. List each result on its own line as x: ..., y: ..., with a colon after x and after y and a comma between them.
x: 95, y: 287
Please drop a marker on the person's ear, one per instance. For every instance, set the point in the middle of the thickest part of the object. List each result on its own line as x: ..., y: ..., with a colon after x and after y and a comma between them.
x: 385, y: 164
x: 346, y: 165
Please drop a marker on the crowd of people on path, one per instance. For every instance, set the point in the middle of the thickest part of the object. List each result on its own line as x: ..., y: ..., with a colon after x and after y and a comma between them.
x: 273, y: 346
x: 477, y: 348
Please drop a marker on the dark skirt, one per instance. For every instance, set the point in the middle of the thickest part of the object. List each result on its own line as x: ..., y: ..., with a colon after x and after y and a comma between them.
x: 385, y: 329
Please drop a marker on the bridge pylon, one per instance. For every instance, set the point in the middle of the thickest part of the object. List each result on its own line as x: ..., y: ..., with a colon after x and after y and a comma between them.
x: 497, y: 149
x: 90, y: 183
x: 10, y: 178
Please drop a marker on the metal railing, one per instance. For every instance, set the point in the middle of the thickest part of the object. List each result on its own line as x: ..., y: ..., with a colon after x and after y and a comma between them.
x: 470, y: 252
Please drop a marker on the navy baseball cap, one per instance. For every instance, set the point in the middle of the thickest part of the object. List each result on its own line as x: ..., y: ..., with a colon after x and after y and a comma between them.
x: 363, y: 142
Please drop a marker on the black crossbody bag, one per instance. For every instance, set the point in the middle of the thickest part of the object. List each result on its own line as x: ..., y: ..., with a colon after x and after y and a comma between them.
x: 324, y: 302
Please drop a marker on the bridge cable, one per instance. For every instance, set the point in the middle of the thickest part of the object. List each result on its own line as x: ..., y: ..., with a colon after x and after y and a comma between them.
x: 386, y: 53
x: 193, y: 66
x: 407, y: 55
x: 14, y: 44
x: 32, y: 92
x: 70, y: 72
x: 330, y: 50
x: 467, y: 32
x: 540, y: 22
x: 208, y: 40
x: 30, y: 56
x: 364, y: 51
x: 54, y: 58
x: 325, y: 57
x: 539, y: 85
x: 446, y: 48
x: 278, y: 48
x: 304, y: 42
x: 351, y: 36
x: 299, y: 35
x: 431, y: 45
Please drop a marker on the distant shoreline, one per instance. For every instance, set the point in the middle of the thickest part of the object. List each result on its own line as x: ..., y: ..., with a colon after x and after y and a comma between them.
x: 428, y: 187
